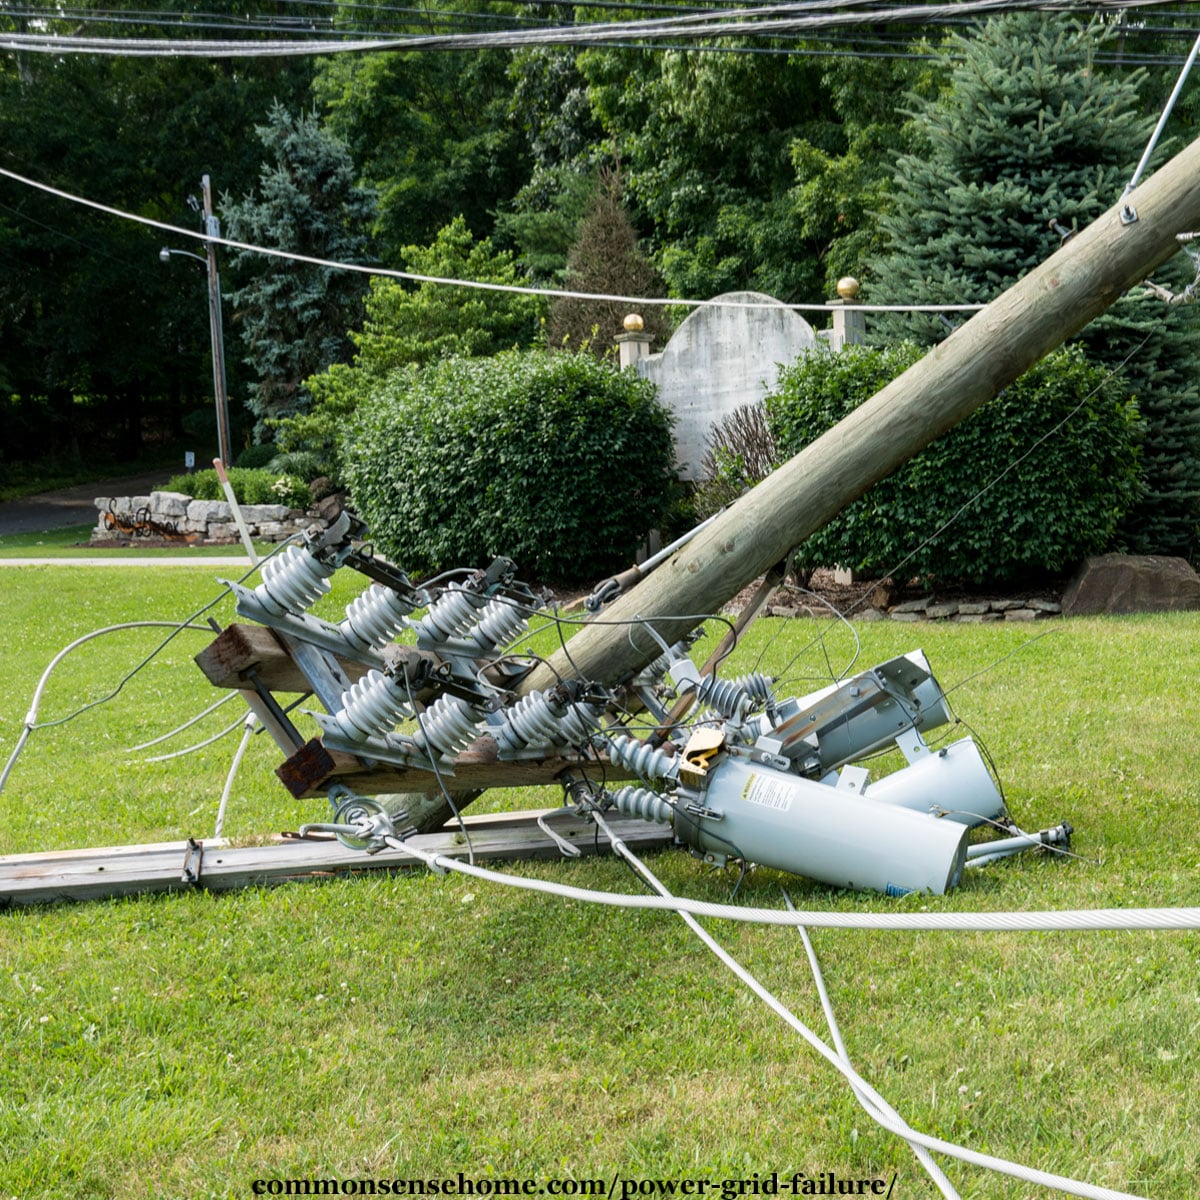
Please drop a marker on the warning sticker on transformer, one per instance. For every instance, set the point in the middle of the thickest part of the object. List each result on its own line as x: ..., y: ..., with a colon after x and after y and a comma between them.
x: 770, y: 793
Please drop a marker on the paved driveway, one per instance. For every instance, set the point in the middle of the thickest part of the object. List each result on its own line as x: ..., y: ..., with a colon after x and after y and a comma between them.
x: 73, y: 505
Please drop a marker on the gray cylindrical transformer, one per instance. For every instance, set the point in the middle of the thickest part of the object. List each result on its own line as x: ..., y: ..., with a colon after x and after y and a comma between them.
x: 828, y: 834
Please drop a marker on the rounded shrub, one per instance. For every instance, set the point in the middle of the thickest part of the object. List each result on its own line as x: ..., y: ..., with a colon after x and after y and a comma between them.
x: 256, y: 456
x: 558, y: 461
x: 1057, y: 452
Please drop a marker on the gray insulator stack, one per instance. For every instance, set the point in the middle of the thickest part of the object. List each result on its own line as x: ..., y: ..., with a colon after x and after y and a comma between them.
x: 541, y: 721
x: 644, y: 760
x: 292, y: 582
x: 371, y: 707
x: 643, y: 803
x: 534, y: 721
x: 734, y: 698
x: 449, y: 616
x: 374, y: 618
x: 500, y: 623
x: 582, y: 719
x: 447, y: 727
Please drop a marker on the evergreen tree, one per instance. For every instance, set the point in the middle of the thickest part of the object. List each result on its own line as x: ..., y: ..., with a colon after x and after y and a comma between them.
x: 1030, y: 135
x: 294, y: 316
x: 606, y: 260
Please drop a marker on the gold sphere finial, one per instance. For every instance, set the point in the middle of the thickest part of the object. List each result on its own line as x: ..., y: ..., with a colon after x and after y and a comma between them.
x: 848, y: 287
x: 634, y: 323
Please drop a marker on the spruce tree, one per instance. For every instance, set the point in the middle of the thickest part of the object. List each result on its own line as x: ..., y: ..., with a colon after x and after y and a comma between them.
x: 605, y: 259
x: 293, y: 316
x: 1032, y: 139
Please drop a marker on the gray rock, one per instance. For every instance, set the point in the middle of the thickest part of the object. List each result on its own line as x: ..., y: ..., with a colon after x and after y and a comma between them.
x: 1021, y: 614
x: 1004, y: 605
x: 869, y: 614
x: 207, y: 511
x: 897, y: 615
x: 169, y: 504
x: 1046, y: 607
x: 978, y: 618
x: 1132, y: 583
x: 939, y: 612
x: 257, y: 513
x: 912, y: 606
x: 973, y: 608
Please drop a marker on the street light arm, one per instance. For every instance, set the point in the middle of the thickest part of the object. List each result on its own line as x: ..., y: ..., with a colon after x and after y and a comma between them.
x: 165, y: 255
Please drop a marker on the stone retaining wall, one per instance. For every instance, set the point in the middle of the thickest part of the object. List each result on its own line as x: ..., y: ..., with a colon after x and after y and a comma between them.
x: 174, y: 516
x: 930, y: 609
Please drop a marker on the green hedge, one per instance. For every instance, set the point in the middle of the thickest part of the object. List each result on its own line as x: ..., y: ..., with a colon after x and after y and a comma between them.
x: 1062, y: 498
x: 250, y: 486
x: 556, y: 460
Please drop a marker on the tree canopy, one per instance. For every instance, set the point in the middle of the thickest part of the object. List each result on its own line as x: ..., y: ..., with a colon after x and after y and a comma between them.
x: 763, y: 162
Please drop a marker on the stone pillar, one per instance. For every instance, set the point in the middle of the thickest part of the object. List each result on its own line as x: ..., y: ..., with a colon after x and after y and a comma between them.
x: 633, y: 344
x: 849, y: 327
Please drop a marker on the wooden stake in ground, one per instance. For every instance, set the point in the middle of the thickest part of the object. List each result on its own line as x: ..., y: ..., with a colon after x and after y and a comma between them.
x: 1079, y: 282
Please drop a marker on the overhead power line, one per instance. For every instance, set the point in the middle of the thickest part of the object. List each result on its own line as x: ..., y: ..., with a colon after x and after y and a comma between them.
x: 478, y: 285
x: 765, y: 21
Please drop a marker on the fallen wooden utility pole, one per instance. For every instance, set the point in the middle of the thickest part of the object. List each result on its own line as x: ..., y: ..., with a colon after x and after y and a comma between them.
x: 216, y: 865
x: 1078, y: 283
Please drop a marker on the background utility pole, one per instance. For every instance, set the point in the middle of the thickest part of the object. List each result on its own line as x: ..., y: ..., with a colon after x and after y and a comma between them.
x: 1079, y: 282
x: 212, y: 229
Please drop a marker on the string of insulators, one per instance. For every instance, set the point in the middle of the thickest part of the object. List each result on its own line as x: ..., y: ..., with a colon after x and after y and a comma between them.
x: 644, y: 760
x: 292, y: 582
x: 643, y: 803
x: 371, y: 707
x: 375, y: 618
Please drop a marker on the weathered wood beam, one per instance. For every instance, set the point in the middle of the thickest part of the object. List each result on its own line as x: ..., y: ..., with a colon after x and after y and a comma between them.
x: 314, y: 768
x: 124, y: 870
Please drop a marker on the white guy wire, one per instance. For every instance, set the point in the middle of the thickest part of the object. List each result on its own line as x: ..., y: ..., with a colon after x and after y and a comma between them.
x: 251, y: 721
x: 1162, y: 121
x: 1019, y: 921
x: 479, y: 285
x: 31, y: 717
x: 923, y: 1156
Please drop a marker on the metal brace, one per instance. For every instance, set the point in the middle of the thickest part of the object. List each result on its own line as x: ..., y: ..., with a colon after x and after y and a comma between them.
x: 193, y: 861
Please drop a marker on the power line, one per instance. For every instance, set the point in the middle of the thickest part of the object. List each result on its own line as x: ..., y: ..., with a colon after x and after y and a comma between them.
x: 479, y: 285
x: 766, y: 21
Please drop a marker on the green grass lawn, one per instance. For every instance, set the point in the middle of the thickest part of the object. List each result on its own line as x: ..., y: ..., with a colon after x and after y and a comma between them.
x: 412, y: 1026
x: 72, y: 542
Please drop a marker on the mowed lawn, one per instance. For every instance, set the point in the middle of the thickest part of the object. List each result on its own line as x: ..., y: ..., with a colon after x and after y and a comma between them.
x: 410, y: 1027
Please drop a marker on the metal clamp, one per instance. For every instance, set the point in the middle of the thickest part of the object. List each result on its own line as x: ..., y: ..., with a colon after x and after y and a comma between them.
x: 193, y: 862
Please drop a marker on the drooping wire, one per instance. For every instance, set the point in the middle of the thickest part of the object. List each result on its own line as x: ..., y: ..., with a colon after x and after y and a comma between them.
x: 163, y: 737
x: 177, y: 627
x: 923, y: 1156
x: 216, y: 737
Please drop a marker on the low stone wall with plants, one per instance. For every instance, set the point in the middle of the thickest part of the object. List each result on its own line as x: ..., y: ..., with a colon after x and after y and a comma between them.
x: 176, y: 516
